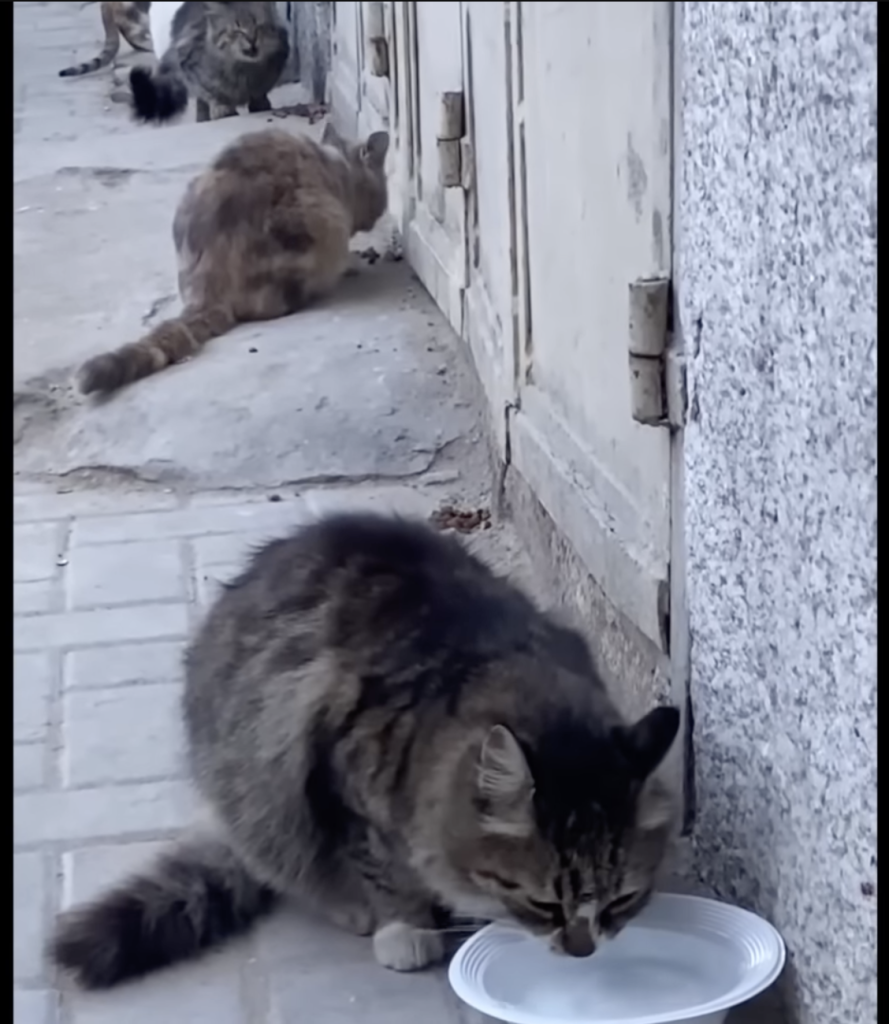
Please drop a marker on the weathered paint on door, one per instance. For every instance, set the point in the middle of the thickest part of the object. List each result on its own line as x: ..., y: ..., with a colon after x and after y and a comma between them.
x: 495, y: 252
x: 435, y: 234
x: 567, y: 202
x: 596, y: 123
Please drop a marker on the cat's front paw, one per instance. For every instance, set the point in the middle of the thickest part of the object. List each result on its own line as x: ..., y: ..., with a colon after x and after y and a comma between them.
x: 401, y: 947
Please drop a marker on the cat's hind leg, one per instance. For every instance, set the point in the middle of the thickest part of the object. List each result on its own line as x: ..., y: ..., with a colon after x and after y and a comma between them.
x: 259, y: 104
x: 336, y: 893
x: 218, y: 111
x: 202, y: 110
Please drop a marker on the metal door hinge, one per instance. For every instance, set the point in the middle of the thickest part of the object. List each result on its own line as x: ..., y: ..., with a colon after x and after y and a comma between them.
x: 657, y: 374
x: 377, y: 46
x: 454, y: 149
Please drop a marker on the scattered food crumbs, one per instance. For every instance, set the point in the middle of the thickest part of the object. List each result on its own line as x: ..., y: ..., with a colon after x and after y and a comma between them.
x: 252, y: 350
x: 867, y: 889
x: 274, y: 497
x: 370, y: 254
x: 61, y: 561
x: 447, y: 517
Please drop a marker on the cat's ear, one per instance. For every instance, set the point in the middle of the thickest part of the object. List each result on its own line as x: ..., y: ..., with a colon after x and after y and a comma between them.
x: 374, y: 151
x: 331, y: 137
x: 646, y: 743
x: 505, y: 785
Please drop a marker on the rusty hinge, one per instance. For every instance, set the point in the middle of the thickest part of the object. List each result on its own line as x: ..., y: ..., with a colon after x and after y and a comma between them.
x: 455, y: 164
x: 657, y: 374
x: 377, y: 49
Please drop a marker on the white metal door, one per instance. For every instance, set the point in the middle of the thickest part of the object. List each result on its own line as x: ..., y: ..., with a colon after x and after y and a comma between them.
x: 435, y: 230
x: 596, y: 122
x: 345, y: 67
x: 495, y: 251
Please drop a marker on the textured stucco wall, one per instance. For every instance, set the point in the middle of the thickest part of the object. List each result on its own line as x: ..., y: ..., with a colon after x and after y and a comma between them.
x: 776, y: 282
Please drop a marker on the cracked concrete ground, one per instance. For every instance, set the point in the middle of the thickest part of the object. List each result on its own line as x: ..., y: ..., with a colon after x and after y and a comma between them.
x: 130, y: 512
x: 341, y: 392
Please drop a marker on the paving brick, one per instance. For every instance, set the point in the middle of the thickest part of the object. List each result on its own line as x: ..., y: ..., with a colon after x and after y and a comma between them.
x: 365, y: 993
x: 121, y: 734
x: 32, y: 682
x: 33, y: 1007
x: 28, y: 906
x: 100, y: 625
x: 220, y: 558
x: 125, y: 573
x: 276, y: 517
x: 36, y: 596
x: 202, y: 991
x: 210, y: 581
x: 127, y: 663
x: 28, y: 766
x: 90, y: 870
x: 36, y: 549
x: 102, y: 813
x: 228, y: 549
x: 320, y: 973
x: 399, y: 500
x: 45, y: 505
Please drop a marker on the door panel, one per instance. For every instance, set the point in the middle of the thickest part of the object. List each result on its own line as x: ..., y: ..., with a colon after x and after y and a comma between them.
x: 597, y: 128
x: 435, y: 235
x: 491, y: 322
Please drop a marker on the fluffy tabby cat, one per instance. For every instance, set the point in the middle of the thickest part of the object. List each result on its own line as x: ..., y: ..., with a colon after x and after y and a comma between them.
x: 383, y: 727
x: 129, y: 20
x: 258, y: 235
x: 227, y: 55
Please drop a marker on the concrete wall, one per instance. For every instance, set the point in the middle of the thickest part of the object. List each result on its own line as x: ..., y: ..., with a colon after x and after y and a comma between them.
x: 776, y: 280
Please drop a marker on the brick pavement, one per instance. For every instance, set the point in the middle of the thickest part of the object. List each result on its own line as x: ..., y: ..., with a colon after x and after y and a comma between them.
x: 106, y: 588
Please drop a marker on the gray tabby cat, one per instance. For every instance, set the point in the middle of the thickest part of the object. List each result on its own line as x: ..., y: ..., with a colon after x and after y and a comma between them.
x: 385, y: 728
x: 227, y: 55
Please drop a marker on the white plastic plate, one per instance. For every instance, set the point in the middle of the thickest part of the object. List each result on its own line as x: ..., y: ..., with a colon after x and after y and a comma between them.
x: 682, y: 958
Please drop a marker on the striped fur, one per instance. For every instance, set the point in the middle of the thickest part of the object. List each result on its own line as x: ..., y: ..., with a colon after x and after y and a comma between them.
x: 129, y: 20
x: 389, y: 732
x: 226, y: 55
x: 262, y: 232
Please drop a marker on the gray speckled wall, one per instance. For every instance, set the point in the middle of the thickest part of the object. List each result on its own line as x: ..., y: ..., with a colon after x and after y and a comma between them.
x: 776, y: 281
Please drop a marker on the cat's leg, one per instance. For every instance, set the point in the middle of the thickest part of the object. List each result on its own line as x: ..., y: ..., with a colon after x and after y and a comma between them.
x: 218, y: 111
x: 409, y: 935
x: 336, y: 892
x: 348, y: 911
x: 259, y: 103
x: 202, y: 110
x: 403, y: 946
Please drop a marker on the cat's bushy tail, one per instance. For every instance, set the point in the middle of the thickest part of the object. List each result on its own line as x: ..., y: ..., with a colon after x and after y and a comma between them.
x: 193, y: 897
x: 170, y: 342
x: 159, y: 94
